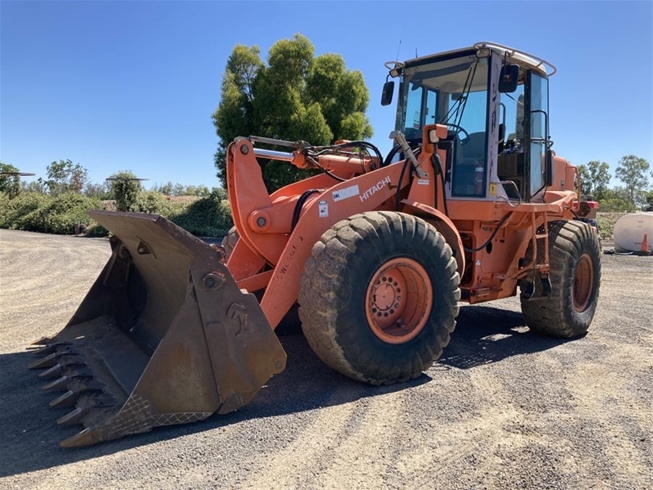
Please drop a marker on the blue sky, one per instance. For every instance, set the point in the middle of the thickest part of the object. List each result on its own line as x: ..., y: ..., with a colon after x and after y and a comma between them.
x: 117, y: 85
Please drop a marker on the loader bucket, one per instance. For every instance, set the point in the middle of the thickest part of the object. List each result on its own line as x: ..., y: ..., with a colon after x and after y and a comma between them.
x: 163, y: 337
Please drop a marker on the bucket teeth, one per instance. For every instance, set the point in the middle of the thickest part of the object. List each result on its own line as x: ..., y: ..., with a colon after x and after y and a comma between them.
x: 83, y: 438
x: 76, y: 386
x: 41, y: 341
x: 46, y: 362
x: 71, y: 367
x: 49, y: 349
x: 57, y: 385
x: 74, y: 417
x: 83, y: 385
x: 68, y: 399
x: 77, y: 371
x: 85, y: 405
x: 55, y: 370
x: 75, y: 377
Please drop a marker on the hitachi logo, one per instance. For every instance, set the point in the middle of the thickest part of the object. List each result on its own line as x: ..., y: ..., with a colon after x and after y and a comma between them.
x: 375, y: 188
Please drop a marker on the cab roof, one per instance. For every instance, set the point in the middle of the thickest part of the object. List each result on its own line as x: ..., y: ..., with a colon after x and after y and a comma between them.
x: 513, y: 55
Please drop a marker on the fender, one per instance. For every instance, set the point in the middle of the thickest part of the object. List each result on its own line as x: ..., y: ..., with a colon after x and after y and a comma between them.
x: 444, y: 225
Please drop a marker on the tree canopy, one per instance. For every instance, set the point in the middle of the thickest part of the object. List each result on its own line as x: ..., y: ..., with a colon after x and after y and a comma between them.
x: 64, y: 176
x: 632, y: 171
x: 594, y: 178
x: 125, y: 187
x: 294, y: 96
x: 633, y: 195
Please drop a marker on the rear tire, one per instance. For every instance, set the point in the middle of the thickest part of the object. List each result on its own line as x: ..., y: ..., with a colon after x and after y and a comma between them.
x: 575, y: 274
x: 229, y: 242
x: 379, y: 297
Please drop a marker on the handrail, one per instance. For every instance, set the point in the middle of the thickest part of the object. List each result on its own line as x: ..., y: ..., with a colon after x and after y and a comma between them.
x: 508, y: 199
x: 512, y: 51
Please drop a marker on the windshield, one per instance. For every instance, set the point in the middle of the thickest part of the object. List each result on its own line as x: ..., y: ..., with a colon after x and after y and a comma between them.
x: 453, y: 92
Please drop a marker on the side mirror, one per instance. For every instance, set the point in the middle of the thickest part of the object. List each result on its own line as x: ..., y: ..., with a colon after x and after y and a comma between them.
x: 508, y: 79
x: 548, y: 168
x: 502, y: 132
x: 388, y: 90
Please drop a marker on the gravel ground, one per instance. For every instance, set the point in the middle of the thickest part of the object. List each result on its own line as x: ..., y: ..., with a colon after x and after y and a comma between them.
x: 503, y: 408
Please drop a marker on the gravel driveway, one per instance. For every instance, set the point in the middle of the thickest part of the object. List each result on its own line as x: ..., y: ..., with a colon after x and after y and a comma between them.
x: 502, y: 409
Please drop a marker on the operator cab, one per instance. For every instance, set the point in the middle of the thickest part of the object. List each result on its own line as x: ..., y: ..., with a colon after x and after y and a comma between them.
x: 494, y: 102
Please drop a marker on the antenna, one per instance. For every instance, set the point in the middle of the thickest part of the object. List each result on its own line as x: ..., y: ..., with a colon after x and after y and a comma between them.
x: 401, y: 36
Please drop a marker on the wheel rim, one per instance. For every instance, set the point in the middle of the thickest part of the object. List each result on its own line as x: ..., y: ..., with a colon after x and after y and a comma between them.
x: 583, y: 283
x: 398, y: 300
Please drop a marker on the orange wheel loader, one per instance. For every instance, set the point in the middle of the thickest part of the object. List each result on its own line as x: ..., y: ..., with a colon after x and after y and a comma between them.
x: 471, y: 204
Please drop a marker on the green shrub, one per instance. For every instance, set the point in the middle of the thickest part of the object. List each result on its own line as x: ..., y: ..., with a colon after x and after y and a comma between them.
x: 606, y: 223
x: 209, y: 216
x: 62, y: 215
x: 151, y: 202
x: 96, y: 230
x: 9, y: 184
x: 617, y: 205
x: 34, y: 211
x: 17, y: 212
x: 125, y: 188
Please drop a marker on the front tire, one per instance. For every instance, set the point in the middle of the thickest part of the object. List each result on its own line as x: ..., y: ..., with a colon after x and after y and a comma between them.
x: 379, y: 297
x: 575, y: 274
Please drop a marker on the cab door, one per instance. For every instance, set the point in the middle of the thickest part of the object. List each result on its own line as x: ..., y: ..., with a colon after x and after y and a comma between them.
x: 537, y: 108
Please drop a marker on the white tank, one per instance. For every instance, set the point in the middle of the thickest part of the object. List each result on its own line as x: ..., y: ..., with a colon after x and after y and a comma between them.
x: 629, y: 231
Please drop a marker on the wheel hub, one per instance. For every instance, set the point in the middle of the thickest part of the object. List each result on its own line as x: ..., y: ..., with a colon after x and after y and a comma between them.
x: 583, y: 283
x: 384, y: 296
x: 399, y: 300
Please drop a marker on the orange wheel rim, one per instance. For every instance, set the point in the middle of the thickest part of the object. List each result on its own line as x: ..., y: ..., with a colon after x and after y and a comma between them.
x: 583, y: 283
x: 398, y: 301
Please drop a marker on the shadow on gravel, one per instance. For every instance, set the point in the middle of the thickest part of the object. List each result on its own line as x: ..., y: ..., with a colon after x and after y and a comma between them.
x: 31, y: 437
x: 485, y: 335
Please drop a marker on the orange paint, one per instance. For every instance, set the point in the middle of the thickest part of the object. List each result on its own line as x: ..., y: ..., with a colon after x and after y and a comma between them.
x: 489, y: 238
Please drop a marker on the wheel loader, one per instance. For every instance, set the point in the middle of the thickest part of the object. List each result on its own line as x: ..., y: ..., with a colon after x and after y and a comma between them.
x: 470, y: 205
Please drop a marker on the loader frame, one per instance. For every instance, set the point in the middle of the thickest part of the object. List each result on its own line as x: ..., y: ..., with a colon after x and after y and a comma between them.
x: 489, y: 240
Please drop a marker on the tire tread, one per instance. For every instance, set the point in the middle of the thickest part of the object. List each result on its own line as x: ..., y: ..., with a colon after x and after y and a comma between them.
x: 328, y: 266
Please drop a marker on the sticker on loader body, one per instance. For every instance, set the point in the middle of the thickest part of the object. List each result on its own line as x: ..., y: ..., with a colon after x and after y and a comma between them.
x: 323, y: 209
x: 345, y: 193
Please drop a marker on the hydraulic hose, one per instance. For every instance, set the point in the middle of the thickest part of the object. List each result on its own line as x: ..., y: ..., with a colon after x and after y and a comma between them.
x: 298, y: 207
x: 478, y: 249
